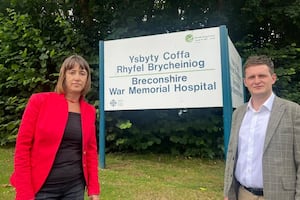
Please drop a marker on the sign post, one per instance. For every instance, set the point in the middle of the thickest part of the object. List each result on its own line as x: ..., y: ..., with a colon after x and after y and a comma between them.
x: 101, y: 107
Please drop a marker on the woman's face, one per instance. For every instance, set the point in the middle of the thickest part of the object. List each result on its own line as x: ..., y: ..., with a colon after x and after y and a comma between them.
x: 75, y: 80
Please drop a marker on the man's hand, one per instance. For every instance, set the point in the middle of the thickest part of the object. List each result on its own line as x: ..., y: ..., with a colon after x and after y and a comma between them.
x: 225, y: 198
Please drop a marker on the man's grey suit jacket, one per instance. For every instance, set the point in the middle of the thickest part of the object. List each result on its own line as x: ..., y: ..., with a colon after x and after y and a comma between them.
x: 281, y: 156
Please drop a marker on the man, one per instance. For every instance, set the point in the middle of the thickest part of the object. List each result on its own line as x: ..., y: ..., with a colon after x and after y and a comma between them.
x: 264, y: 148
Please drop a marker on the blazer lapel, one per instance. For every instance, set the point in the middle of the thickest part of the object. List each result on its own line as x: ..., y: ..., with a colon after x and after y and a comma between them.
x: 238, y: 120
x: 84, y: 121
x: 275, y: 116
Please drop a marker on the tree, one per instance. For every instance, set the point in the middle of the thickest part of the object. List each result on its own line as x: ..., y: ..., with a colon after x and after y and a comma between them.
x: 271, y: 28
x: 29, y: 62
x: 55, y: 28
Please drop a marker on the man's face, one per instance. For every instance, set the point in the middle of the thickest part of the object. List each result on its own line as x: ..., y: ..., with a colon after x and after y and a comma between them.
x: 259, y: 80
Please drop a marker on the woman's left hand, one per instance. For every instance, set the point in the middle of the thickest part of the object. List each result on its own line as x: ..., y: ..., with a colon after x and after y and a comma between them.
x: 94, y: 197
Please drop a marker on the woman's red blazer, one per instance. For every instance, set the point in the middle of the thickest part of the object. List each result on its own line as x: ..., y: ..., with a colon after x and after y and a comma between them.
x: 40, y: 134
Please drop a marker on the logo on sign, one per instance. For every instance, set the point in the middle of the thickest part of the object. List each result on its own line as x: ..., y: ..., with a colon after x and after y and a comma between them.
x: 189, y: 38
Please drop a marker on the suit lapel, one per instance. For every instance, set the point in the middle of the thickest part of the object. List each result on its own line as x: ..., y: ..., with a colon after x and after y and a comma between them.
x: 238, y: 119
x: 84, y: 120
x: 275, y: 116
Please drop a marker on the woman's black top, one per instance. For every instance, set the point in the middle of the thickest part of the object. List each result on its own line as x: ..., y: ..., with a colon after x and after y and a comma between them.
x: 67, y: 166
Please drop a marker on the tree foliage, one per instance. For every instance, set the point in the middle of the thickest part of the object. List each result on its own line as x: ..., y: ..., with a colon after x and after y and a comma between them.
x: 189, y: 132
x: 28, y: 63
x: 36, y: 35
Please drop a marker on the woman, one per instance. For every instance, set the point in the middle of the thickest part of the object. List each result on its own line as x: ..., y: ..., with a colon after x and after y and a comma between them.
x: 56, y: 148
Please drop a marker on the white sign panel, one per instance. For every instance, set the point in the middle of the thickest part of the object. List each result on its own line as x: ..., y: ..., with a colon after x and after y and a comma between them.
x: 236, y: 76
x: 175, y: 70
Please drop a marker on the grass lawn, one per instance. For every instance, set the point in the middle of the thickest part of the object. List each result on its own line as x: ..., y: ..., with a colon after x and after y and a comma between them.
x: 144, y: 177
